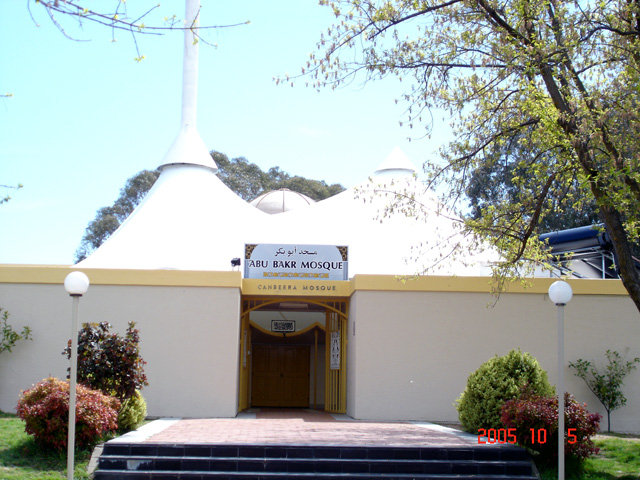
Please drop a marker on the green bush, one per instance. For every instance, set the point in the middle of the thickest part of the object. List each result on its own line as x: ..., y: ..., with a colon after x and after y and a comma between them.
x: 45, y: 411
x: 132, y: 413
x: 498, y: 380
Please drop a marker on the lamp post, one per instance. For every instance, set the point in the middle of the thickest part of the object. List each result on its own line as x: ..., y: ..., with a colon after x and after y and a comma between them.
x: 560, y: 293
x: 76, y: 284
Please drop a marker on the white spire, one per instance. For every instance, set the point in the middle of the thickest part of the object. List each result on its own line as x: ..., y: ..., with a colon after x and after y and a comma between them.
x: 188, y: 148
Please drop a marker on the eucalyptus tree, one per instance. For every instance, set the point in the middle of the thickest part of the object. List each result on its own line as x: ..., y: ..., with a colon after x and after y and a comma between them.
x: 248, y: 180
x: 560, y: 77
x: 108, y: 219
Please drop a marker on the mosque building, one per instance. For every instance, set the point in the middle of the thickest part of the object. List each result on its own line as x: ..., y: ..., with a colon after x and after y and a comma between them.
x: 287, y: 302
x: 316, y: 306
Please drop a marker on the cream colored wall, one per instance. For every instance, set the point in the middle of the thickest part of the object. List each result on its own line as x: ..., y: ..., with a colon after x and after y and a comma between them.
x: 413, y: 351
x: 411, y: 346
x: 189, y: 338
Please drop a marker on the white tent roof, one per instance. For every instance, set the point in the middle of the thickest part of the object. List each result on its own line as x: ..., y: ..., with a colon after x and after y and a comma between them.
x: 190, y: 220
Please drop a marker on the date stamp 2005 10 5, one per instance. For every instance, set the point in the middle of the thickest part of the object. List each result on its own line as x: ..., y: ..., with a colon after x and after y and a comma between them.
x: 508, y: 435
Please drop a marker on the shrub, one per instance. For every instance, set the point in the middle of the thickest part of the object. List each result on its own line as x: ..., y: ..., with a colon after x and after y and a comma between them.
x: 498, y: 380
x: 9, y: 336
x: 45, y: 411
x: 531, y: 415
x: 108, y: 362
x: 606, y: 386
x: 132, y: 412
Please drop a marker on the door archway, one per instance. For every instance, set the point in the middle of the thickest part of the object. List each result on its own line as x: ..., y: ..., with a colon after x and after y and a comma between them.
x: 335, y: 340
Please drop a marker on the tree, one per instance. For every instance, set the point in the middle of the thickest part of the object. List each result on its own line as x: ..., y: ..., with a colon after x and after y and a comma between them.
x: 559, y: 77
x: 9, y: 335
x: 492, y: 183
x: 246, y: 179
x: 315, y: 189
x: 136, y: 22
x: 6, y: 198
x: 606, y: 386
x: 108, y: 219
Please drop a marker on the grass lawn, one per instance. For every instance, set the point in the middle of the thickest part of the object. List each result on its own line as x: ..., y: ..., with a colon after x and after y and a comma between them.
x: 619, y: 459
x: 22, y: 459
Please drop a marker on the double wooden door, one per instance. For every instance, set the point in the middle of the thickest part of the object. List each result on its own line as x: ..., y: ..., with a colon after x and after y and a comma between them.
x: 280, y: 376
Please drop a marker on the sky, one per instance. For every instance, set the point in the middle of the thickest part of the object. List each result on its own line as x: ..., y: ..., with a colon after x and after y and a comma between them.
x: 84, y: 116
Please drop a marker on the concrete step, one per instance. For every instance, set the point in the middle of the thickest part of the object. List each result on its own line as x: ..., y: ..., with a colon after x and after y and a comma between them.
x: 276, y: 462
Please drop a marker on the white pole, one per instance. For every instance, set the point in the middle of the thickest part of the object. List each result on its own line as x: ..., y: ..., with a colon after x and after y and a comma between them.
x: 71, y: 439
x: 190, y: 65
x: 560, y: 293
x: 561, y: 392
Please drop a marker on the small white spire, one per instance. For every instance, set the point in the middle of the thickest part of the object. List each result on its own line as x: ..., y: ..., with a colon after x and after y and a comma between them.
x: 188, y: 147
x: 396, y: 163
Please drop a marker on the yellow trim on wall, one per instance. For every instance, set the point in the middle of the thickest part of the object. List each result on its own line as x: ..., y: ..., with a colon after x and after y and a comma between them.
x: 301, y: 288
x: 55, y: 274
x: 38, y: 274
x: 480, y: 285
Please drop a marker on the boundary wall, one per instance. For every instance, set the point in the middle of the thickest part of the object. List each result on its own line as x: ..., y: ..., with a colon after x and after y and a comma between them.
x: 189, y: 329
x: 411, y: 344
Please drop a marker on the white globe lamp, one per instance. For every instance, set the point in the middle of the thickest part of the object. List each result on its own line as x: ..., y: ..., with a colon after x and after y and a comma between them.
x: 76, y: 283
x: 560, y: 292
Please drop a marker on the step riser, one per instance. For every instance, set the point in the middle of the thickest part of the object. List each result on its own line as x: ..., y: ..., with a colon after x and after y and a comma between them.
x: 159, y: 461
x: 251, y: 476
x: 320, y: 466
x: 344, y: 453
x: 114, y: 475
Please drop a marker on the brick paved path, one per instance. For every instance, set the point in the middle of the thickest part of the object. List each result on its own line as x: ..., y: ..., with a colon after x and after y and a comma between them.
x: 307, y: 427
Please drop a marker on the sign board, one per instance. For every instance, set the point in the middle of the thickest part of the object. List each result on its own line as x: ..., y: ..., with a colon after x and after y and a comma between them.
x: 335, y: 351
x: 283, y: 326
x: 296, y: 262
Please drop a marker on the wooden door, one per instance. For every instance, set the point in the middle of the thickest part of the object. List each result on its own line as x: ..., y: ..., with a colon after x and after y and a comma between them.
x: 280, y: 376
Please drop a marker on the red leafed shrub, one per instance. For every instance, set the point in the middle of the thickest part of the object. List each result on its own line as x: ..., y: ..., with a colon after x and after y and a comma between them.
x: 109, y: 362
x: 535, y: 420
x: 45, y: 411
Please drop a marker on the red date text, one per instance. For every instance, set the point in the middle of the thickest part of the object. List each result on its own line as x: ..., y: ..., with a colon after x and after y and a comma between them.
x: 508, y: 435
